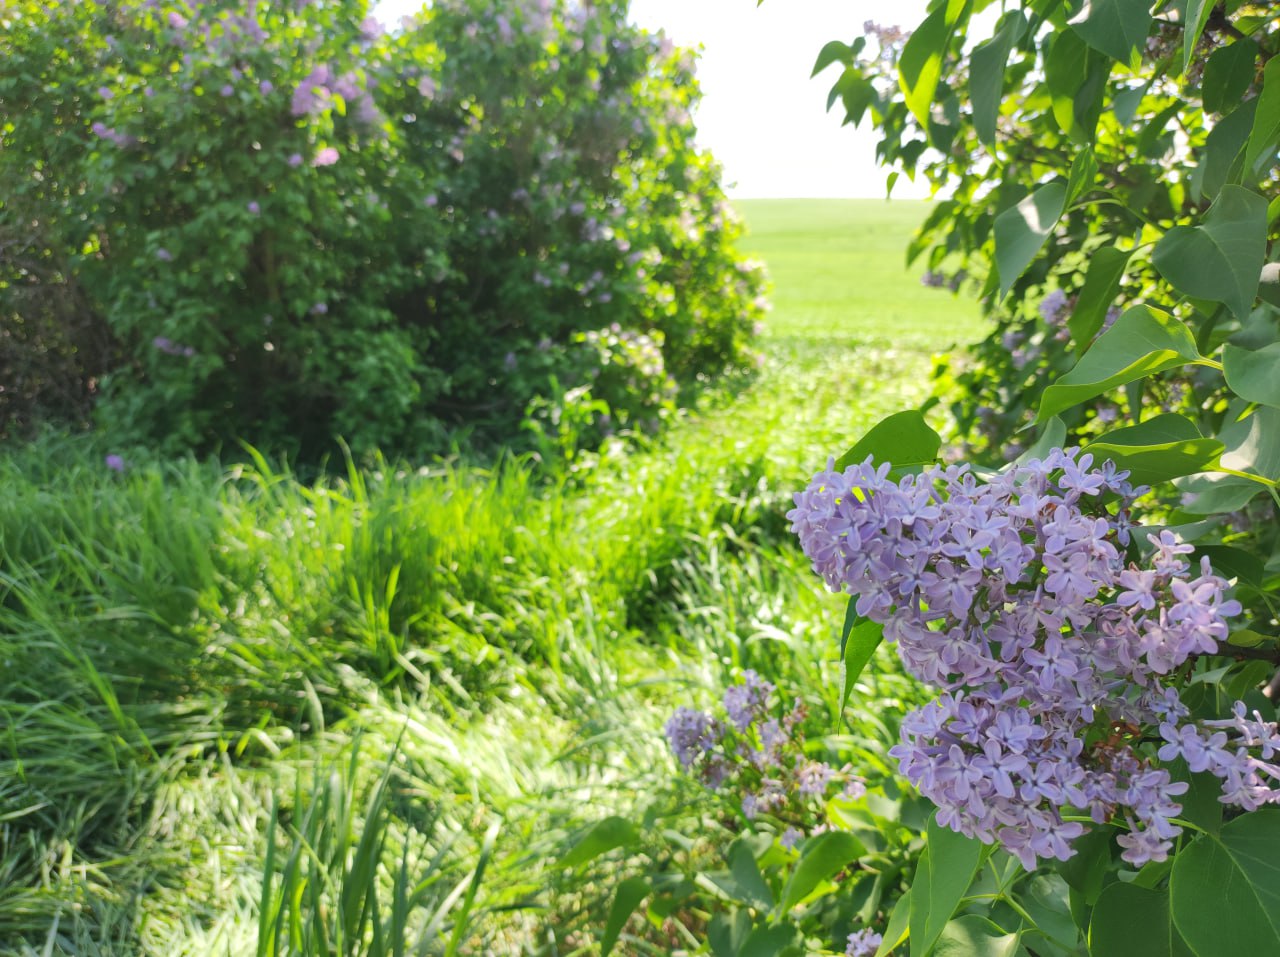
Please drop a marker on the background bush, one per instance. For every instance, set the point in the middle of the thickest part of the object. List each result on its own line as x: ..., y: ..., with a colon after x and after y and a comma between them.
x: 293, y: 224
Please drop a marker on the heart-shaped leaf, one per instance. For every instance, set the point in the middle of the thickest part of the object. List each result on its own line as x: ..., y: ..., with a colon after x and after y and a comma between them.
x: 1143, y: 341
x: 1221, y: 259
x: 1253, y: 374
x: 1131, y: 921
x: 1224, y: 892
x: 1162, y: 448
x: 903, y: 439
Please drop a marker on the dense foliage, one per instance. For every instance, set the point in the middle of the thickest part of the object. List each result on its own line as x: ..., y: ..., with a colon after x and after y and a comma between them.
x: 282, y: 223
x: 1108, y: 706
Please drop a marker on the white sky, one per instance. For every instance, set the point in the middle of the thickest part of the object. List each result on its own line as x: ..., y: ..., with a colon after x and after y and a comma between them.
x: 761, y: 115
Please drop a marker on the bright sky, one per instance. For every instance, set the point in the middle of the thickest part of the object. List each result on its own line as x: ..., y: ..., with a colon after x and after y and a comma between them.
x: 761, y: 115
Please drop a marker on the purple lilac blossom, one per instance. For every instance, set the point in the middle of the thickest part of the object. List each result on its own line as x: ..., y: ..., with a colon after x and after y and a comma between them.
x: 690, y: 734
x: 326, y: 157
x: 790, y: 838
x: 1013, y: 596
x: 115, y: 463
x: 253, y: 207
x: 863, y: 943
x: 295, y: 160
x: 745, y: 702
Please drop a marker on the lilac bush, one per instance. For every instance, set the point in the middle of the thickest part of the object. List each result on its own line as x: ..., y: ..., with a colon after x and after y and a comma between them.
x: 367, y: 232
x: 1055, y: 631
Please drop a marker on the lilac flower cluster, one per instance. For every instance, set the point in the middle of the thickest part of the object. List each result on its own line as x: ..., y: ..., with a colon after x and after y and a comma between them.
x: 863, y: 943
x: 1013, y: 596
x: 759, y: 752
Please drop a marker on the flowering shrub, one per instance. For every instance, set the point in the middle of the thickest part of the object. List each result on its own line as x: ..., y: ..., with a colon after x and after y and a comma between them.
x: 1106, y: 694
x: 755, y: 758
x: 296, y: 224
x: 762, y: 758
x: 1014, y: 597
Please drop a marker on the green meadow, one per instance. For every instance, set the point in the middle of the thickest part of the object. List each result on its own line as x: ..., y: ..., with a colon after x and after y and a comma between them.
x: 245, y: 713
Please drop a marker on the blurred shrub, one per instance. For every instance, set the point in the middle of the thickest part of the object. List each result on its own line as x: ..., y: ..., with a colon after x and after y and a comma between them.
x: 295, y: 224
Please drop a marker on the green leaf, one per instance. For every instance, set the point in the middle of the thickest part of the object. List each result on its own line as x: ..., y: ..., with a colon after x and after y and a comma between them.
x: 625, y: 901
x: 1222, y: 259
x: 1253, y: 443
x: 1086, y: 872
x: 1220, y: 159
x: 1217, y: 494
x: 1234, y: 563
x: 726, y: 933
x: 895, y: 932
x: 824, y: 856
x: 973, y: 936
x: 1253, y: 374
x: 1021, y: 230
x: 833, y: 52
x: 1225, y: 890
x: 1143, y: 341
x: 1130, y: 921
x: 603, y: 836
x: 857, y: 648
x: 1084, y: 173
x: 1228, y: 75
x: 1195, y: 14
x: 987, y: 73
x: 903, y: 439
x: 1266, y: 124
x: 745, y: 880
x: 770, y: 941
x: 1076, y: 77
x: 920, y: 65
x: 1114, y: 27
x: 1200, y: 805
x: 1052, y: 436
x: 1101, y: 285
x: 946, y: 870
x: 1162, y: 448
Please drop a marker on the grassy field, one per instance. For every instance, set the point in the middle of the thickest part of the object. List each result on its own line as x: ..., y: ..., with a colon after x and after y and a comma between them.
x: 209, y: 672
x: 840, y: 274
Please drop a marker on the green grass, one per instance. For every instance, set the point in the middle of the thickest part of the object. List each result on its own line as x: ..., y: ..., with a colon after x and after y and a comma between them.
x: 191, y: 654
x: 840, y: 273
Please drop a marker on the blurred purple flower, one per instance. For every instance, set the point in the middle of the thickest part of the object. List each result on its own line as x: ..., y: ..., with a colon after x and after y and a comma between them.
x: 254, y: 207
x: 163, y: 255
x: 319, y: 309
x: 295, y: 160
x: 265, y: 87
x: 115, y: 463
x: 326, y: 157
x: 227, y: 90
